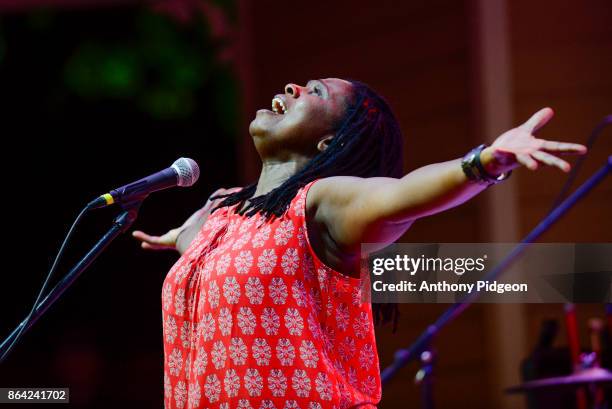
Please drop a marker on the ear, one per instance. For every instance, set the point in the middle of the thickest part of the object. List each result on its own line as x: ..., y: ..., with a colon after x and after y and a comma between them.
x: 324, y: 143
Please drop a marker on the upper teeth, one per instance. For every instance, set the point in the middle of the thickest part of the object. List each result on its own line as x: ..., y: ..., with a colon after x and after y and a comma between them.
x: 278, y: 105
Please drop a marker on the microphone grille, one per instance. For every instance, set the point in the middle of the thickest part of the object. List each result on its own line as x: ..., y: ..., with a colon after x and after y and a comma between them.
x: 187, y: 170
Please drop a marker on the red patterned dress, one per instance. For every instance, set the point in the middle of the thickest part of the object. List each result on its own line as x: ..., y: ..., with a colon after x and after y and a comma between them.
x: 254, y: 320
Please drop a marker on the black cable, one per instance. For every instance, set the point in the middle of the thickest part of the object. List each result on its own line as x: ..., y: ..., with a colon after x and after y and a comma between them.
x: 45, y: 283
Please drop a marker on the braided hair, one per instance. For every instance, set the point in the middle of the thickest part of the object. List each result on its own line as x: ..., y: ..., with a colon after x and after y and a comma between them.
x: 367, y: 143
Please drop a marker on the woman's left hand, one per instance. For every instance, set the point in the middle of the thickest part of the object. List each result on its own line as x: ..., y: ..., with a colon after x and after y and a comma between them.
x: 519, y: 146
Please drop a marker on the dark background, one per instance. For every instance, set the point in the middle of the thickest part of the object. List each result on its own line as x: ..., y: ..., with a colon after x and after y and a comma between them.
x: 95, y: 94
x: 92, y: 99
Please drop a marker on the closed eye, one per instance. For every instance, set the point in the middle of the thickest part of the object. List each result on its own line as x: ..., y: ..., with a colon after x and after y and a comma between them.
x: 316, y: 88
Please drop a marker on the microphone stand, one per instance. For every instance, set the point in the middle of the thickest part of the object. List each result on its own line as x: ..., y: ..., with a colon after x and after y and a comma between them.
x: 422, y: 346
x: 120, y: 225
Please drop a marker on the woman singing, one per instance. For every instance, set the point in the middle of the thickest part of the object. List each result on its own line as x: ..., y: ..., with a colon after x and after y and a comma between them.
x: 263, y: 310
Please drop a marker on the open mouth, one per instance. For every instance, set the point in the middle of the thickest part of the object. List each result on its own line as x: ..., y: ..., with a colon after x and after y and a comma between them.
x: 278, y: 106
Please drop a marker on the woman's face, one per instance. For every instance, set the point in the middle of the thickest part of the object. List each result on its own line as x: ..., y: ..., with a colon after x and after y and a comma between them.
x: 302, y: 119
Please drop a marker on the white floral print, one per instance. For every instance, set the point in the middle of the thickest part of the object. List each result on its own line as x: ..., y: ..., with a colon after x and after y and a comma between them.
x: 323, y: 386
x: 261, y: 236
x: 266, y: 261
x: 180, y: 394
x: 235, y: 307
x: 261, y: 351
x: 285, y: 352
x: 231, y: 383
x: 278, y: 290
x: 225, y: 321
x: 277, y: 383
x: 246, y: 321
x: 308, y: 354
x: 179, y: 301
x: 231, y: 290
x: 290, y: 261
x: 223, y: 264
x: 199, y: 365
x: 294, y: 321
x: 213, y: 294
x: 270, y: 321
x: 243, y: 262
x: 218, y: 355
x: 170, y: 329
x: 300, y: 382
x: 254, y: 290
x: 212, y: 388
x: 253, y: 382
x: 194, y: 395
x: 283, y: 233
x: 175, y: 362
x: 238, y: 351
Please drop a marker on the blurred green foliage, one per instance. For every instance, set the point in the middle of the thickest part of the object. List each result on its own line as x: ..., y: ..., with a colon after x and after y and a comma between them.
x: 162, y: 67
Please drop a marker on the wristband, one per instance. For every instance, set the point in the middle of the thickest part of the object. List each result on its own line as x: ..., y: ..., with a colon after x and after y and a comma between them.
x: 476, y: 172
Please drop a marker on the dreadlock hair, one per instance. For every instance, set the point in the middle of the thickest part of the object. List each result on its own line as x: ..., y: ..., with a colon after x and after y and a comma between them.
x: 367, y: 143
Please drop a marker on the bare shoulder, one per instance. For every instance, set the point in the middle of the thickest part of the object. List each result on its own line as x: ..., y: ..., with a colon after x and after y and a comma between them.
x: 344, y: 211
x: 340, y: 190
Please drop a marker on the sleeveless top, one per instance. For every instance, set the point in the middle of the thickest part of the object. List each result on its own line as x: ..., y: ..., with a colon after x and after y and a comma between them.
x: 252, y: 319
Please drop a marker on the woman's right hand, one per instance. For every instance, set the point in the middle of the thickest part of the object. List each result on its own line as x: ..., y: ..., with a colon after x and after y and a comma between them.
x: 164, y: 242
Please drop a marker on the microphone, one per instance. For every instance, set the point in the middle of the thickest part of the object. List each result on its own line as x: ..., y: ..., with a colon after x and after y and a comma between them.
x: 184, y: 172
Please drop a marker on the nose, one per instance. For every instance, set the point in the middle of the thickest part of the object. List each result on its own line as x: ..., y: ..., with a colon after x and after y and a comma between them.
x: 292, y: 90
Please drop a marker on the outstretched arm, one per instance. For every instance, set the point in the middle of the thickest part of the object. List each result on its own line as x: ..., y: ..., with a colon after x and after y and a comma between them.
x: 379, y: 210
